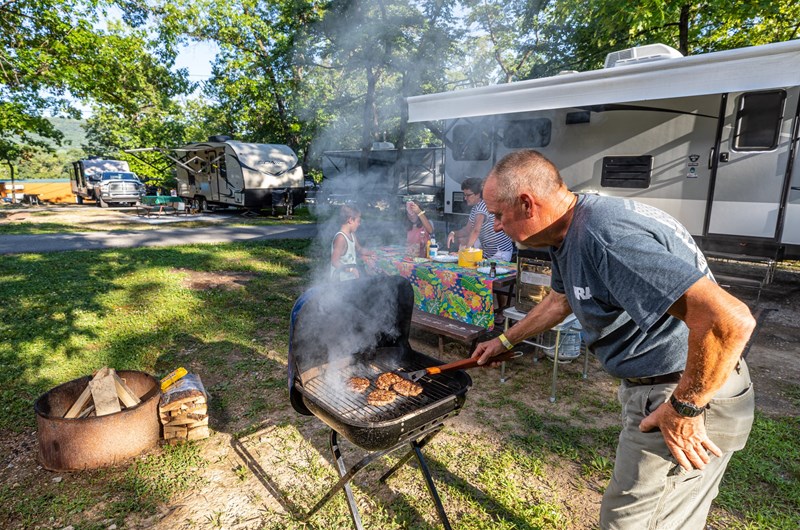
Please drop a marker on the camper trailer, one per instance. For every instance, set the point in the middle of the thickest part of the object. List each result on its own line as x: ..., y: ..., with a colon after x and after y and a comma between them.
x: 419, y: 174
x: 711, y: 139
x: 105, y: 182
x: 223, y: 172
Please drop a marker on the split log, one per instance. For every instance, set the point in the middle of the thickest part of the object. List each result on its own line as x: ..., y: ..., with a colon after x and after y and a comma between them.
x: 104, y: 395
x: 125, y: 394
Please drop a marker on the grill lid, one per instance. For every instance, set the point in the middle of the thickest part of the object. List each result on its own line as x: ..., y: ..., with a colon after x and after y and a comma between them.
x: 333, y: 322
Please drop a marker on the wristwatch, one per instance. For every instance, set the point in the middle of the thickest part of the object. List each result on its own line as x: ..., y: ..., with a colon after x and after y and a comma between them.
x: 687, y: 410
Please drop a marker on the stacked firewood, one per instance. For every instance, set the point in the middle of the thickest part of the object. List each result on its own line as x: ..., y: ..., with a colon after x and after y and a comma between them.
x: 105, y: 394
x: 184, y: 410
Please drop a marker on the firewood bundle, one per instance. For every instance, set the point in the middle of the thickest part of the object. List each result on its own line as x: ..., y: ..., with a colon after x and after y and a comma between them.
x: 184, y: 411
x: 105, y: 394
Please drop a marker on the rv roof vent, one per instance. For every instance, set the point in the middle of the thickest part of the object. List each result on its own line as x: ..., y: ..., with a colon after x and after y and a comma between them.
x: 641, y: 54
x: 219, y: 138
x: 377, y: 146
x: 567, y: 72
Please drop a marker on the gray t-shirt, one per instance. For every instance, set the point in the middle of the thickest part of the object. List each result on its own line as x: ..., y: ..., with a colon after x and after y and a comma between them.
x: 622, y: 265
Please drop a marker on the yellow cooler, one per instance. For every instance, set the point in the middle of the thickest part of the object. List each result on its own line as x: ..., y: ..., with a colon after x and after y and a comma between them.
x: 469, y: 257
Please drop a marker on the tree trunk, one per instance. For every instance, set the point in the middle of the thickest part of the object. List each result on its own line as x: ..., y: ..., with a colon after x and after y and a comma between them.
x: 370, y: 120
x: 683, y: 29
x: 13, y: 187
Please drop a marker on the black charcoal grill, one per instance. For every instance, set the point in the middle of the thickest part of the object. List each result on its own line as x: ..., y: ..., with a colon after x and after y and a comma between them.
x: 360, y: 328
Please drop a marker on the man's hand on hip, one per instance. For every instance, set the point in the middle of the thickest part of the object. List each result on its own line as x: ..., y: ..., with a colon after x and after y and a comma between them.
x: 685, y: 437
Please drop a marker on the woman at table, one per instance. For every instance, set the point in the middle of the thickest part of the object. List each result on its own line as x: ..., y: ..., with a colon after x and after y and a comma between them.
x: 479, y: 230
x: 345, y: 249
x: 418, y: 227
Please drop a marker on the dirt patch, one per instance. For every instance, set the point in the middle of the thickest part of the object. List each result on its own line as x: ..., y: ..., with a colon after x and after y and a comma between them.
x: 202, y: 281
x: 774, y: 357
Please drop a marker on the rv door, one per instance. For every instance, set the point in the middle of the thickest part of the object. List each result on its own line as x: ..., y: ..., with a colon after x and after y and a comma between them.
x: 752, y: 159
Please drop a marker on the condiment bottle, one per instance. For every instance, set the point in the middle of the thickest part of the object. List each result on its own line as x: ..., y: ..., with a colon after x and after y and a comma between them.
x: 433, y: 248
x: 492, y: 270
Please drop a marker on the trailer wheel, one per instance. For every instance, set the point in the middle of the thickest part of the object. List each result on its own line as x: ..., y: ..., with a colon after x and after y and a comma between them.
x: 78, y: 199
x: 203, y: 205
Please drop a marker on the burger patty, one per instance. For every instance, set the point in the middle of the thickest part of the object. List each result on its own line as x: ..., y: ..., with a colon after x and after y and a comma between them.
x: 387, y: 379
x: 407, y: 388
x: 358, y: 384
x: 381, y: 397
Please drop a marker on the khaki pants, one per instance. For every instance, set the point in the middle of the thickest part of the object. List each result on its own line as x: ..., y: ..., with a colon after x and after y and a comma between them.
x: 648, y: 489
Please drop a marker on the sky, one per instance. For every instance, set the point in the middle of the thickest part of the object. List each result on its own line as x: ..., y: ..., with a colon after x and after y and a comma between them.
x: 197, y: 58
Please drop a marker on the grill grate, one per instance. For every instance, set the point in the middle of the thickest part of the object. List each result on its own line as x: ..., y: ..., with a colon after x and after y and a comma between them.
x: 327, y: 386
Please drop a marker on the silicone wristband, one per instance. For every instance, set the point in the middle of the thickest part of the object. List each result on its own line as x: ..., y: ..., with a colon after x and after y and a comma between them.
x: 504, y: 340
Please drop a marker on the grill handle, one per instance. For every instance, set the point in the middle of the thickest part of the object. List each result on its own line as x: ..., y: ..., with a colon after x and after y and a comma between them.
x: 463, y: 364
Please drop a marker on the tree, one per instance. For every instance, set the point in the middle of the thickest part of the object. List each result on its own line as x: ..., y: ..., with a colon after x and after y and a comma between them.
x: 510, y: 32
x: 382, y: 53
x: 52, y: 49
x: 588, y: 30
x: 257, y: 90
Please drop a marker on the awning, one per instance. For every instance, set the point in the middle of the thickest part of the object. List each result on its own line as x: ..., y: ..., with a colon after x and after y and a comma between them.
x: 753, y: 68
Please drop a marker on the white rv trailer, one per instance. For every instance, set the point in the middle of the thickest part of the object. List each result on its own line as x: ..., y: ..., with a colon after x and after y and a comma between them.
x: 223, y: 172
x: 711, y: 139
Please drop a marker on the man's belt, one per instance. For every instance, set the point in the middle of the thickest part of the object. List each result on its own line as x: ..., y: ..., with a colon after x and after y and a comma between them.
x: 674, y: 377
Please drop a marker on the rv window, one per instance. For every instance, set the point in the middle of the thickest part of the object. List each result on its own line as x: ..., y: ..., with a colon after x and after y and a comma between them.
x: 526, y: 133
x: 758, y: 121
x: 471, y: 142
x: 627, y: 171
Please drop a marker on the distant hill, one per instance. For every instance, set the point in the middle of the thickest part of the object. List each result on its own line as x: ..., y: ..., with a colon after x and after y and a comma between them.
x: 74, y: 135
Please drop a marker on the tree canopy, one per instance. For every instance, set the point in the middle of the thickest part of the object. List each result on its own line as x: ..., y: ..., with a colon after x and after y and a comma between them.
x: 314, y: 74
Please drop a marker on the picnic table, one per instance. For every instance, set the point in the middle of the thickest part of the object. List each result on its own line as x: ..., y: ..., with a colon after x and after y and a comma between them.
x: 446, y: 289
x: 164, y: 203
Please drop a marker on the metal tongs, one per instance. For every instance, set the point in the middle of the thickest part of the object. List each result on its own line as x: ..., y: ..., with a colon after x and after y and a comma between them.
x: 457, y: 365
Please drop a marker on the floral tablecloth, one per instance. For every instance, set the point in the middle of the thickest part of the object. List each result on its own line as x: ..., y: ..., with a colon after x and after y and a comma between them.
x: 443, y: 289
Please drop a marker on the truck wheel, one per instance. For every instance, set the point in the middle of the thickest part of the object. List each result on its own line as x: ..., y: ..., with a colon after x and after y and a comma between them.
x: 101, y: 203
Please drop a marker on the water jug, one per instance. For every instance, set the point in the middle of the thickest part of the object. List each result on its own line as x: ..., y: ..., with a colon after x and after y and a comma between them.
x: 570, y: 346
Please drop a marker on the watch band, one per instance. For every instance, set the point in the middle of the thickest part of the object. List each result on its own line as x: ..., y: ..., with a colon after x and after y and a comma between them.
x: 687, y: 410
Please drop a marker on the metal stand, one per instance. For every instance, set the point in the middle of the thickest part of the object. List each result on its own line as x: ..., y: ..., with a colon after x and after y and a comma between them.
x: 417, y: 443
x: 568, y: 323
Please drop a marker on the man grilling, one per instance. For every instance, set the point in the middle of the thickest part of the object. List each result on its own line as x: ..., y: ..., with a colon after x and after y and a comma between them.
x: 654, y: 317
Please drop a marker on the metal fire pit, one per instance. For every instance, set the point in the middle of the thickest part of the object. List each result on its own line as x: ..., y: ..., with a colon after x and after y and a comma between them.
x: 88, y: 443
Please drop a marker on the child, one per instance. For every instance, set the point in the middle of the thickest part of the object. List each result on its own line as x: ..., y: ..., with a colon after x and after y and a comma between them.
x: 345, y: 248
x: 418, y: 228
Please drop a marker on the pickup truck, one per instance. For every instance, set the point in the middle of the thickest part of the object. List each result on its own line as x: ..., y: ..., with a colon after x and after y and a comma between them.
x: 118, y: 187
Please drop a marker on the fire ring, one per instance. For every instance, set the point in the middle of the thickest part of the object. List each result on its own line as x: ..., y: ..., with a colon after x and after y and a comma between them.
x: 93, y: 442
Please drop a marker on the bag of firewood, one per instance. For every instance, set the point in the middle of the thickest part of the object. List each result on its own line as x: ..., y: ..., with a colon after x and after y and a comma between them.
x: 184, y: 410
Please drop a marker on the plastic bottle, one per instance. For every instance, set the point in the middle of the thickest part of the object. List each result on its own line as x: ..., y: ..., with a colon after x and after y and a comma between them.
x: 422, y: 241
x: 433, y: 249
x: 570, y: 347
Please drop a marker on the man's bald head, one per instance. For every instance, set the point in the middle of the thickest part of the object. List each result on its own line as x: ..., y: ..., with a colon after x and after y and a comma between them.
x: 525, y: 171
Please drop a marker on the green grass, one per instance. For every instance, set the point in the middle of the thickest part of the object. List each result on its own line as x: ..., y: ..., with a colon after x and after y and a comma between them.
x: 64, y: 315
x: 36, y: 228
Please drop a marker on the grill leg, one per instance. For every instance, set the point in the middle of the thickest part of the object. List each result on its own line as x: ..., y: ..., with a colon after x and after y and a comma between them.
x: 346, y: 478
x: 405, y: 458
x: 348, y: 491
x: 431, y: 486
x: 416, y: 450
